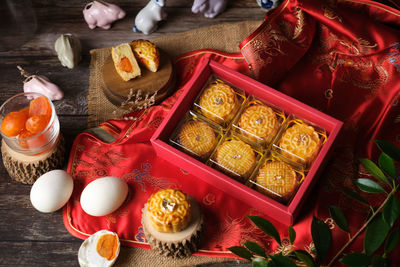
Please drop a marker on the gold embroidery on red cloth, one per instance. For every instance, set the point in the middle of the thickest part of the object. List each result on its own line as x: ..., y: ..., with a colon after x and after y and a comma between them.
x: 329, y: 10
x: 351, y: 59
x: 113, y: 217
x: 293, y: 32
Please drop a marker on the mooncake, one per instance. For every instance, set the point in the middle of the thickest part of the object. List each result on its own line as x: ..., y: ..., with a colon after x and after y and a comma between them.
x: 125, y: 62
x: 277, y: 180
x: 147, y: 53
x: 219, y: 102
x: 197, y: 137
x: 169, y: 210
x: 258, y: 121
x: 173, y: 223
x: 235, y: 156
x: 300, y: 142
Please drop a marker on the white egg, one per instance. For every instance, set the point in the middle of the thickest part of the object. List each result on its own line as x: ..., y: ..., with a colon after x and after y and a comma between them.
x: 103, y: 196
x: 100, y: 249
x: 51, y: 191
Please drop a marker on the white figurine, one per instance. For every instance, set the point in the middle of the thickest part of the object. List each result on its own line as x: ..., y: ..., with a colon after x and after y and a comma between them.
x: 210, y: 8
x: 148, y: 17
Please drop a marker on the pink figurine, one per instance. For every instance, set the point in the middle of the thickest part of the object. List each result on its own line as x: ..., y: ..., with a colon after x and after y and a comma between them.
x: 148, y: 17
x: 41, y: 85
x: 102, y: 14
x: 210, y: 8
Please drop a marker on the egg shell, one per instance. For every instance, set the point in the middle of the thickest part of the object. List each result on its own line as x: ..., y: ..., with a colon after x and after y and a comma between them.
x: 103, y: 196
x: 88, y: 255
x: 51, y: 191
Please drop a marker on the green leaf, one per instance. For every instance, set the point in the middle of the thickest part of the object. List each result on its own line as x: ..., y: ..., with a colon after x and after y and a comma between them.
x: 266, y: 226
x: 255, y: 248
x: 368, y: 186
x: 322, y: 237
x: 392, y: 240
x: 259, y: 262
x: 375, y: 234
x: 390, y: 149
x: 356, y: 259
x: 391, y: 210
x: 305, y: 257
x: 374, y: 170
x: 241, y: 252
x: 339, y: 218
x: 292, y: 234
x: 282, y: 261
x: 355, y: 196
x: 387, y: 164
x: 379, y: 261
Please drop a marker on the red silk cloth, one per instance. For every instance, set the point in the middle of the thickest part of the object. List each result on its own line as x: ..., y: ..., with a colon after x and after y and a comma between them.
x: 342, y: 57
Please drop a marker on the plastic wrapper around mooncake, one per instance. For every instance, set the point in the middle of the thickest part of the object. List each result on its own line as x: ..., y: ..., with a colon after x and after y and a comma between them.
x: 219, y: 101
x: 258, y: 122
x: 196, y: 136
x: 275, y: 178
x: 235, y: 157
x: 298, y: 142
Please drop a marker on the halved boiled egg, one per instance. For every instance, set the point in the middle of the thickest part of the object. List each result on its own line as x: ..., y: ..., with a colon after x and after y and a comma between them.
x: 100, y: 249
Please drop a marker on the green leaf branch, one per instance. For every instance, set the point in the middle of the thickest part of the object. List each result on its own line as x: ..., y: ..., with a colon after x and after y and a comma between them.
x: 379, y: 225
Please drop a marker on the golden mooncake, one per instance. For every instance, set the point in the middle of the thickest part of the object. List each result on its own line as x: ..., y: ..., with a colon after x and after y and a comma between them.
x: 169, y: 210
x: 235, y: 156
x: 300, y: 141
x: 147, y: 53
x: 259, y: 121
x: 125, y: 62
x: 277, y: 180
x: 197, y: 137
x: 219, y: 102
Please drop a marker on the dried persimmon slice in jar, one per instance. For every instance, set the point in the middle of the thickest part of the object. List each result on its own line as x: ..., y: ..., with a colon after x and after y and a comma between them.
x: 40, y: 106
x: 13, y: 123
x: 34, y: 142
x: 36, y: 123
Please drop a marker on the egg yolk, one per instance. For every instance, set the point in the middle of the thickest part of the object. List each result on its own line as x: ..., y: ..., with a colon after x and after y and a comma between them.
x: 107, y: 246
x: 126, y: 65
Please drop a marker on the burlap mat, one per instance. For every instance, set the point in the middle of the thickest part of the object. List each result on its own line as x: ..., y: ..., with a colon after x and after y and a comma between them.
x: 224, y: 37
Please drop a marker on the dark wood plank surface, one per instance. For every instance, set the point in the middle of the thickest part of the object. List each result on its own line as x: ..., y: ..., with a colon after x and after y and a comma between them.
x: 28, y: 237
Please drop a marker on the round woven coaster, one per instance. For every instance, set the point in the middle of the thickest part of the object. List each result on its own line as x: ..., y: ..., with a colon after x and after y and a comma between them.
x: 27, y: 169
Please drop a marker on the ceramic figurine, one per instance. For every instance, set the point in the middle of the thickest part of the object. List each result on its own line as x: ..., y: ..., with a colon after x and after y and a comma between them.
x: 102, y: 14
x: 148, y: 17
x: 68, y: 48
x: 210, y: 8
x: 268, y: 4
x: 42, y: 85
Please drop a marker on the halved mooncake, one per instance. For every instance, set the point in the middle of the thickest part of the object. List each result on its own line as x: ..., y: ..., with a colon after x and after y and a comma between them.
x: 125, y: 62
x: 147, y: 53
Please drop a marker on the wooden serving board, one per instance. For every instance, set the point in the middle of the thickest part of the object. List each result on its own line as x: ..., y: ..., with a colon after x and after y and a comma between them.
x: 132, y: 94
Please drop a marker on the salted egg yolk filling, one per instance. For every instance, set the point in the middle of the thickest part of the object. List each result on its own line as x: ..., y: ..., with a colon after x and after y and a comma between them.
x: 125, y: 65
x: 107, y: 246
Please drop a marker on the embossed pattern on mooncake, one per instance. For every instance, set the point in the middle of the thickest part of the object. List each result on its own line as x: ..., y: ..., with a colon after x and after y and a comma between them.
x: 277, y: 179
x: 300, y: 140
x: 197, y: 137
x: 169, y: 210
x: 236, y: 156
x: 219, y: 102
x: 260, y: 121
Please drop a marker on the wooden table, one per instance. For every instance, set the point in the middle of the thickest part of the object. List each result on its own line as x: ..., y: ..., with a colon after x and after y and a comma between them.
x: 28, y: 237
